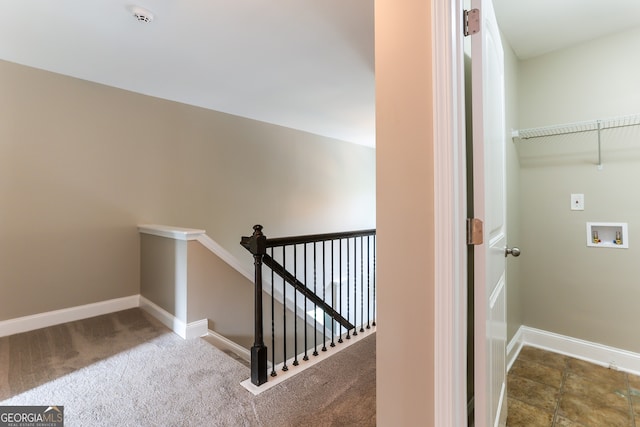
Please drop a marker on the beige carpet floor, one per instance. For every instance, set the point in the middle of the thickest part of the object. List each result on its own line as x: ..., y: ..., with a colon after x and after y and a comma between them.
x: 126, y: 369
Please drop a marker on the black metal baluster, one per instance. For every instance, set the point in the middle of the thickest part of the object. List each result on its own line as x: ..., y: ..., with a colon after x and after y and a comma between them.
x: 355, y: 286
x: 306, y: 327
x: 348, y: 303
x: 315, y: 307
x: 369, y: 274
x: 361, y: 284
x: 324, y: 294
x: 374, y: 280
x: 295, y: 308
x: 333, y: 296
x: 284, y: 313
x: 340, y: 340
x: 273, y: 324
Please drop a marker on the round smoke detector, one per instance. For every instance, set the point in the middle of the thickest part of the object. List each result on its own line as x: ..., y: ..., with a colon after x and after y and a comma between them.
x: 142, y: 15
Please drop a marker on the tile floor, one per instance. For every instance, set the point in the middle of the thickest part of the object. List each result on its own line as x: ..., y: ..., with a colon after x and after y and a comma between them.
x: 549, y: 389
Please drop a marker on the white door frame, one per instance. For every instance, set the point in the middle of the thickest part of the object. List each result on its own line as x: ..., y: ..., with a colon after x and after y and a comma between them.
x: 450, y: 215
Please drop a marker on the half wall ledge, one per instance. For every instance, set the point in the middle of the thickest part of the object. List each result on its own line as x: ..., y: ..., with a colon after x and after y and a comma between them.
x: 178, y: 233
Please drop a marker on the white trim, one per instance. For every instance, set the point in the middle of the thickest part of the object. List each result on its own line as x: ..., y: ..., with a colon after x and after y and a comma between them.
x: 224, y: 343
x: 304, y: 364
x: 598, y: 354
x: 196, y: 329
x: 170, y: 232
x: 42, y: 320
x: 450, y: 210
x: 56, y: 317
x: 184, y: 330
x: 513, y: 348
x: 501, y: 419
x: 224, y: 255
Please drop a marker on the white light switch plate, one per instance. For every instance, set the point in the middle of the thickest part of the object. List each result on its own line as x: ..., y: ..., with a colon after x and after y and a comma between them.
x: 577, y: 202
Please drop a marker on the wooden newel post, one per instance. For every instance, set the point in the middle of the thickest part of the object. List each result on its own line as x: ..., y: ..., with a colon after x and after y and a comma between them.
x: 257, y: 246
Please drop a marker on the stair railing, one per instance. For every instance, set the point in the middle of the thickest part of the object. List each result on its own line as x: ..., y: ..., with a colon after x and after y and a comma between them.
x: 327, y: 280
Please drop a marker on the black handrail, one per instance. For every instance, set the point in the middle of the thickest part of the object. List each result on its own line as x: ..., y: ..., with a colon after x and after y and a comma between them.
x: 311, y: 238
x: 258, y: 244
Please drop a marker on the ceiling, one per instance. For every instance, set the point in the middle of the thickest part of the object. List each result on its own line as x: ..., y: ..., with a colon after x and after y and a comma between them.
x: 306, y: 65
x: 536, y: 27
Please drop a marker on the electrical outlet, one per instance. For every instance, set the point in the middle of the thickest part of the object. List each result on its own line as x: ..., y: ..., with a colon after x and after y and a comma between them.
x: 577, y: 202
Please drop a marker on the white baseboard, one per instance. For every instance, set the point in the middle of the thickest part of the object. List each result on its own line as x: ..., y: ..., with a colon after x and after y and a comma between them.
x: 513, y: 348
x: 51, y: 318
x: 598, y: 354
x: 197, y: 329
x: 184, y: 330
x: 224, y: 343
x: 56, y: 317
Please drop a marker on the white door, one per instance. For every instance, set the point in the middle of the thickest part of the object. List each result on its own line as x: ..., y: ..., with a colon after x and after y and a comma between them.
x: 489, y: 205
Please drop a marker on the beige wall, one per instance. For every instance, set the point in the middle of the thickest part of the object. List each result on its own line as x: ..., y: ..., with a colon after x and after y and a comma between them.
x: 568, y: 288
x: 593, y: 80
x: 163, y: 274
x: 405, y: 213
x: 82, y: 164
x: 514, y: 292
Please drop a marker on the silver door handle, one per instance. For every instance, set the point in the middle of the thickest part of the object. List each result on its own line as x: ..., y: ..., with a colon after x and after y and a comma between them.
x: 512, y: 251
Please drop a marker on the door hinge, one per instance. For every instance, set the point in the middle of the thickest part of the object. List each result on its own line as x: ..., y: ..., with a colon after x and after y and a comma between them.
x: 474, y: 231
x: 471, y: 22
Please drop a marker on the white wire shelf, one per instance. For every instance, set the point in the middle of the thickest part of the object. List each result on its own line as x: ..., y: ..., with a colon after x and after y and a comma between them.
x: 577, y: 127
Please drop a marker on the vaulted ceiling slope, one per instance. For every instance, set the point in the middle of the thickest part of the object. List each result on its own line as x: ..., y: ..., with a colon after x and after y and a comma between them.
x: 303, y: 64
x: 306, y: 65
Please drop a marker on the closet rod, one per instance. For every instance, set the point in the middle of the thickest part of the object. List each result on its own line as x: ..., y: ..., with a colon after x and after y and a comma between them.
x: 577, y: 127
